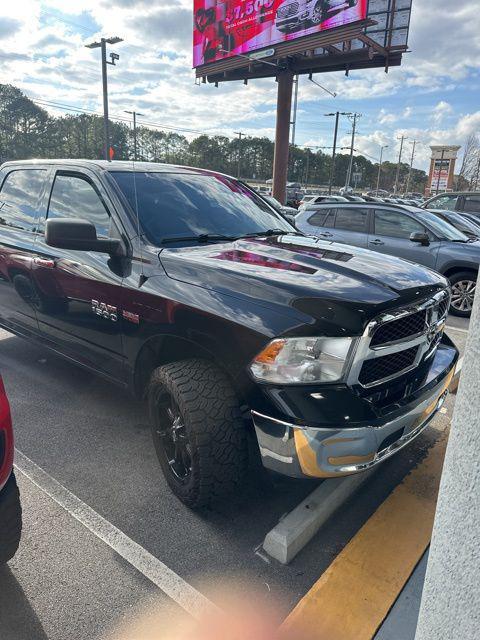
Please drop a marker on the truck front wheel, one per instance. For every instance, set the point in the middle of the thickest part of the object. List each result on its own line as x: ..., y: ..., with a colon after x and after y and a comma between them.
x: 197, y: 429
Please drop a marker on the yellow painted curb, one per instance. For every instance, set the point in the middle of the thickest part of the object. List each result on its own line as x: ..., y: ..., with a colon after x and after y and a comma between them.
x: 352, y: 598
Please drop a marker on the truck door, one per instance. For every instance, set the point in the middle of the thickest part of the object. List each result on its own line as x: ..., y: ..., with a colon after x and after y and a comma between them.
x: 80, y: 291
x: 21, y: 196
x: 391, y: 234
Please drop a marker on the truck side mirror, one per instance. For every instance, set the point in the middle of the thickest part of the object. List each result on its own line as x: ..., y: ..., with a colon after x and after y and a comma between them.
x: 420, y: 237
x: 80, y: 235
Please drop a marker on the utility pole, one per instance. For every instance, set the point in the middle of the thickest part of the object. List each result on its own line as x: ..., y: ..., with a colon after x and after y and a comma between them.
x: 411, y: 166
x: 337, y: 114
x: 350, y: 164
x: 398, y: 164
x: 113, y: 57
x: 439, y: 171
x: 239, y: 134
x: 134, y: 114
x: 385, y: 146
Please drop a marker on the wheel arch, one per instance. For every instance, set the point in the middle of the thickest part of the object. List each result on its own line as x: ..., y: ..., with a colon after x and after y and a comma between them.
x: 166, y: 348
x: 459, y: 268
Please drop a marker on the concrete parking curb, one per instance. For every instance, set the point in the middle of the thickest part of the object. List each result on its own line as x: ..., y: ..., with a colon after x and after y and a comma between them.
x: 299, y: 526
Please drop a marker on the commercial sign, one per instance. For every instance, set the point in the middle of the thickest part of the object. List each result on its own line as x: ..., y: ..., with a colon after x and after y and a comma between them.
x: 226, y: 28
x: 440, y: 174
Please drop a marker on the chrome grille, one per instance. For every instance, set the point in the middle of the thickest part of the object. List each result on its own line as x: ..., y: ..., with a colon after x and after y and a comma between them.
x: 387, y: 366
x: 405, y: 327
x: 289, y: 10
x: 398, y: 341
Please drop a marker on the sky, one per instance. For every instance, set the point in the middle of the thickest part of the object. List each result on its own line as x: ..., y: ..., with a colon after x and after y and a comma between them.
x: 433, y: 98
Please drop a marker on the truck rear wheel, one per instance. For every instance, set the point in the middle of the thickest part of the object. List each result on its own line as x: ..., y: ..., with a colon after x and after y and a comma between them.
x: 10, y: 520
x: 198, y: 433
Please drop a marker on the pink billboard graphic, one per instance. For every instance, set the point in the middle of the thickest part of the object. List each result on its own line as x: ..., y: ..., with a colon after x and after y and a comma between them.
x: 225, y: 28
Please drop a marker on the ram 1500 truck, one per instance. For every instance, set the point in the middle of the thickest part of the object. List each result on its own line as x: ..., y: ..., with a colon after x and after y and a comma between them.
x: 188, y: 288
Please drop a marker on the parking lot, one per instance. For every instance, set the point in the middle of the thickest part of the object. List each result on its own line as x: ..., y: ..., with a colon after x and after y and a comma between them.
x: 91, y: 441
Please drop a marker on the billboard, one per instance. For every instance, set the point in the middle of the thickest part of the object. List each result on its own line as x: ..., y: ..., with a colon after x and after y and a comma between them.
x: 226, y: 28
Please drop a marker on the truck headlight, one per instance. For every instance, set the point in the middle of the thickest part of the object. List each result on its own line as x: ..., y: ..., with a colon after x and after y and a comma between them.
x: 302, y: 360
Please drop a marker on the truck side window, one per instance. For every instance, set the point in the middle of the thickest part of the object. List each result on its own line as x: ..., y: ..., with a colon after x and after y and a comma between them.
x: 75, y: 197
x: 396, y: 225
x: 351, y: 219
x: 19, y: 198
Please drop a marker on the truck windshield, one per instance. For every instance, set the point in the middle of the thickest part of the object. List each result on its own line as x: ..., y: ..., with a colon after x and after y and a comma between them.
x: 177, y: 205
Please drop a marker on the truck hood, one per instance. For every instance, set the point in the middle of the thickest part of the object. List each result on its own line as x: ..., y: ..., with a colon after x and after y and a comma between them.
x: 303, y: 273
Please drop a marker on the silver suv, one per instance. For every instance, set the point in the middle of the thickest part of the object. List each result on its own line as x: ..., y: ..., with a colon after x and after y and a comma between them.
x: 302, y: 14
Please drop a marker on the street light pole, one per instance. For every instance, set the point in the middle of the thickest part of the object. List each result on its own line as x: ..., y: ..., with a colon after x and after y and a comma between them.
x: 385, y: 146
x: 114, y: 56
x: 134, y: 115
x: 398, y: 163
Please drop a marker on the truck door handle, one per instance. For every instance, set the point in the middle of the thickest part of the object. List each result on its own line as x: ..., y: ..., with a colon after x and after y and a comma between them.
x: 376, y: 242
x: 46, y: 263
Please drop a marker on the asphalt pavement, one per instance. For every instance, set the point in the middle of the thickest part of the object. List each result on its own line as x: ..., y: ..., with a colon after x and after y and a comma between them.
x: 95, y: 441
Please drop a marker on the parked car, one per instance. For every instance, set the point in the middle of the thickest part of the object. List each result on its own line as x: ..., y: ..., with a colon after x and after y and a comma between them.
x: 292, y: 16
x: 10, y: 508
x: 408, y: 232
x: 462, y: 201
x: 322, y: 199
x: 287, y: 212
x: 460, y: 222
x: 351, y: 198
x: 187, y: 288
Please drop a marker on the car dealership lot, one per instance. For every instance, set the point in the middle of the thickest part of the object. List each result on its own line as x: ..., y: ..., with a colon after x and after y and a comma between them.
x: 95, y: 442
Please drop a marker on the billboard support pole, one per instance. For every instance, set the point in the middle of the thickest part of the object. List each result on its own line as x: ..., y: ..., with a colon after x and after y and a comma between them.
x: 282, y: 135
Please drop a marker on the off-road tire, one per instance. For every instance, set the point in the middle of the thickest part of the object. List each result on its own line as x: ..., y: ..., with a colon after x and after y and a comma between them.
x: 213, y: 425
x: 10, y: 520
x: 459, y: 277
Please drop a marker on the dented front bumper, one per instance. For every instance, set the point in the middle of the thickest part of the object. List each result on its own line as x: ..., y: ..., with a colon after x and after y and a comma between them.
x: 302, y: 451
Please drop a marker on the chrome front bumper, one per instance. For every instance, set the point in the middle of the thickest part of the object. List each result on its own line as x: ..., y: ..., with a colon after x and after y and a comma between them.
x: 316, y: 452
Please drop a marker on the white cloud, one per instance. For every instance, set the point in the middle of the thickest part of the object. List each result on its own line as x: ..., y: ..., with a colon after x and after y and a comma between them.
x: 440, y: 111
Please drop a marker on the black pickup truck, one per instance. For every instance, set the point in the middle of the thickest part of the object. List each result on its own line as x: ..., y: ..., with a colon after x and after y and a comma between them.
x: 186, y: 287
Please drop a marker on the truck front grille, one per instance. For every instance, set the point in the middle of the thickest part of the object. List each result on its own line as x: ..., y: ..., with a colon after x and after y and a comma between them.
x: 398, y: 341
x: 405, y: 327
x: 386, y: 366
x: 289, y: 10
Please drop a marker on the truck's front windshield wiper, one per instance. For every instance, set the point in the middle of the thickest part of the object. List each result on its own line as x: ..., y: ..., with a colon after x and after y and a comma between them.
x: 272, y: 232
x: 202, y: 237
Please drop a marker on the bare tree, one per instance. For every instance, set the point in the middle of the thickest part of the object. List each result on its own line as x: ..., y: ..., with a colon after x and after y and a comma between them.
x: 470, y: 169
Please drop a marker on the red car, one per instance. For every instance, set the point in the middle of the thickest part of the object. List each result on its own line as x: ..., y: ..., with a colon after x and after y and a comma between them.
x: 10, y: 509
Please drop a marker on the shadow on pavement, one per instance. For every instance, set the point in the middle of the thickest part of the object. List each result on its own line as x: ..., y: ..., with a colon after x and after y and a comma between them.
x: 18, y: 621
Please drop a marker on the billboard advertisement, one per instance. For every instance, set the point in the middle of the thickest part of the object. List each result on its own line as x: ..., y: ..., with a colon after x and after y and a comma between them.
x: 226, y: 28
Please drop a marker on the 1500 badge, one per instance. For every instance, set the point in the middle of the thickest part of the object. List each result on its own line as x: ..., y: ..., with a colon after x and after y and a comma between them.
x: 105, y: 310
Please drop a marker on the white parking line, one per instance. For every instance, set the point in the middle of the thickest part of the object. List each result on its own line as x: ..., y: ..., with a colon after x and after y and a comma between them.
x: 156, y: 571
x: 450, y: 328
